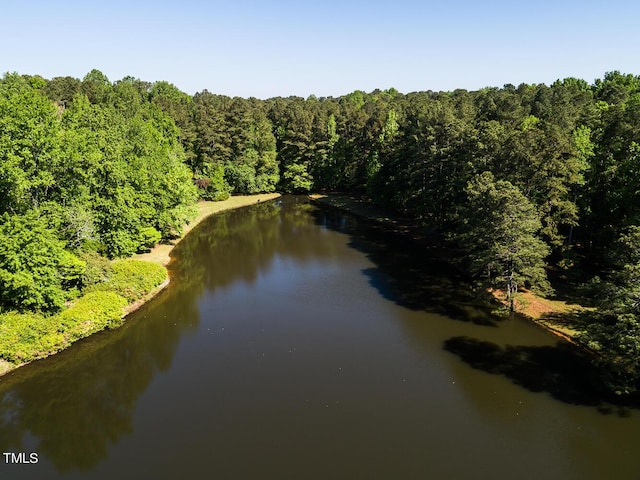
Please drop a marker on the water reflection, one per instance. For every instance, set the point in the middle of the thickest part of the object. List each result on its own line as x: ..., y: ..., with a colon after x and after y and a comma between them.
x: 255, y: 235
x: 560, y: 370
x: 414, y: 276
x: 270, y: 355
x: 76, y: 404
x: 79, y: 402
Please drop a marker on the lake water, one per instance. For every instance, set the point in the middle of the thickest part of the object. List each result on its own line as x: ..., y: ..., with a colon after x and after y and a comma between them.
x: 301, y: 343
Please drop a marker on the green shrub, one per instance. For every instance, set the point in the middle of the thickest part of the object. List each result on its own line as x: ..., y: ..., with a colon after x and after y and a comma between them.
x: 119, y: 243
x: 93, y: 312
x: 241, y: 178
x: 216, y: 187
x: 28, y: 336
x: 149, y: 236
x: 98, y: 269
x: 132, y: 279
x: 296, y: 178
x: 35, y: 269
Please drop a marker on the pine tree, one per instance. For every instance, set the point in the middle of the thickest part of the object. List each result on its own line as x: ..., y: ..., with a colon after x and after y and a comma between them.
x: 499, y: 230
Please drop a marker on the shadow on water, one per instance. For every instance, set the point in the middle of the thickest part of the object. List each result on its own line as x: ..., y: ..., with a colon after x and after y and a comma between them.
x: 82, y: 399
x: 410, y: 274
x: 560, y: 371
x: 78, y: 403
x: 73, y: 407
x: 417, y: 276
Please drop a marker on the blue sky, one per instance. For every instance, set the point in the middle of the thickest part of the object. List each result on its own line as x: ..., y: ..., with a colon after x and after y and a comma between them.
x: 281, y: 48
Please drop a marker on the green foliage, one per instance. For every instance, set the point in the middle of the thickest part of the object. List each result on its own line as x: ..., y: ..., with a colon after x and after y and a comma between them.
x: 132, y: 279
x: 499, y: 230
x: 241, y: 177
x: 120, y: 243
x: 93, y: 312
x: 35, y: 268
x: 29, y: 336
x: 96, y: 86
x: 615, y: 336
x: 530, y: 122
x: 98, y: 268
x: 296, y: 179
x: 149, y: 237
x: 235, y: 133
x: 614, y: 329
x: 62, y: 90
x: 215, y: 186
x: 124, y: 157
x: 29, y: 145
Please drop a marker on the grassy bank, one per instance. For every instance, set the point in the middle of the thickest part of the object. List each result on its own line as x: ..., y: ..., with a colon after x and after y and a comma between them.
x: 127, y: 284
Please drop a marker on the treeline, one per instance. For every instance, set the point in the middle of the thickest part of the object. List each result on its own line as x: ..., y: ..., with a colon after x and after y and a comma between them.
x: 99, y: 174
x: 85, y: 179
x: 518, y: 177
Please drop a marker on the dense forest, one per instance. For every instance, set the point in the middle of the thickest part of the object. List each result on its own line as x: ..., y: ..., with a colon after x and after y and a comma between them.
x: 525, y: 180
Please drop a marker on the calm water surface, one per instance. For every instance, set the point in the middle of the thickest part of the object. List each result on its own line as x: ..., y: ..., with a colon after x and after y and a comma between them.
x: 294, y: 342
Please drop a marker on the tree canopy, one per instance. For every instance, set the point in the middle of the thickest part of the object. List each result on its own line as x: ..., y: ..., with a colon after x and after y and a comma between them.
x: 519, y: 177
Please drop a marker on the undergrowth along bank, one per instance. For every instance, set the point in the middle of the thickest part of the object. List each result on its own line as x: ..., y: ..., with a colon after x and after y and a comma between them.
x: 116, y: 289
x: 25, y: 337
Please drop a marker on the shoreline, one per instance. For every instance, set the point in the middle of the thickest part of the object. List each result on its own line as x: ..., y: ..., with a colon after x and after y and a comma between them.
x: 362, y: 207
x: 535, y: 309
x: 160, y: 254
x: 540, y: 311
